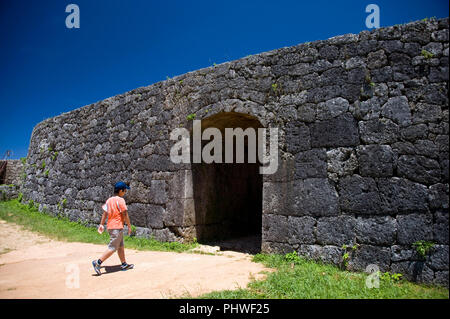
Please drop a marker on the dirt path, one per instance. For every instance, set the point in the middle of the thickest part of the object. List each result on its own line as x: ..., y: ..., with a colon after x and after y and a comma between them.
x: 33, y: 266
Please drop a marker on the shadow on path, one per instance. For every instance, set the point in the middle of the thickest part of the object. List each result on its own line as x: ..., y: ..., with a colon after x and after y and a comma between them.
x: 110, y: 270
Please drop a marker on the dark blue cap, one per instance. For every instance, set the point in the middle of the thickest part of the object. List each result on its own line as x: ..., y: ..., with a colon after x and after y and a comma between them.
x: 121, y: 185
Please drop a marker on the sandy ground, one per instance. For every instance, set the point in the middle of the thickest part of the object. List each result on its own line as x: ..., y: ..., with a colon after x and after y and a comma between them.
x: 33, y: 266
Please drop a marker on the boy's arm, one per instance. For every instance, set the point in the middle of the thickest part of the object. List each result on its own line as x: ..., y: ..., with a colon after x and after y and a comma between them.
x: 103, y: 218
x: 102, y: 222
x: 127, y: 220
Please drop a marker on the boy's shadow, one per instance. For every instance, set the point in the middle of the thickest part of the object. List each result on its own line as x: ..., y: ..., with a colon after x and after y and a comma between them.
x: 109, y: 270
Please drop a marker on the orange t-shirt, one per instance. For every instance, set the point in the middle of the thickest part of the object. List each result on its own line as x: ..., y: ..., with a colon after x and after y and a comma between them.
x: 115, y: 206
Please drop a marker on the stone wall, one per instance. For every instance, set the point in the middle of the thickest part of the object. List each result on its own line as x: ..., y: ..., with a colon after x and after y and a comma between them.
x: 363, y: 149
x: 8, y: 192
x: 13, y: 173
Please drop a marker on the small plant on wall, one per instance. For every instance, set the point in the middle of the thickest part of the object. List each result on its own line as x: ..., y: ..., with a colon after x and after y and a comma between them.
x: 426, y: 54
x: 423, y: 247
x: 191, y: 117
x: 347, y: 253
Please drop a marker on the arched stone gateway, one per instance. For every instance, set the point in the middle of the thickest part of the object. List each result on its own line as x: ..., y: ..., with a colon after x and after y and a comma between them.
x: 362, y: 146
x: 228, y: 196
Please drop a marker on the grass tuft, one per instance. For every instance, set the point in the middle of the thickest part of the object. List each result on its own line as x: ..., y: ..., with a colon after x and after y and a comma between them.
x: 308, y: 279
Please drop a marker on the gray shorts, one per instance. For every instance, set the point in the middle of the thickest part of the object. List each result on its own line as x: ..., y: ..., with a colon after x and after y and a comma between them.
x: 116, y: 239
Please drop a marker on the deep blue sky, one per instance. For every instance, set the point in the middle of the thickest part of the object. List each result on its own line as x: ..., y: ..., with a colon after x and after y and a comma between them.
x: 47, y: 69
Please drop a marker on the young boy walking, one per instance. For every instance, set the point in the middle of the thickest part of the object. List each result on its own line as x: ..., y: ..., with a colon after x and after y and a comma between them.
x: 115, y: 209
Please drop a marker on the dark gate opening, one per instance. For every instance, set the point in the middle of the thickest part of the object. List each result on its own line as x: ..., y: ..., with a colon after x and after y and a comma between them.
x: 228, y: 196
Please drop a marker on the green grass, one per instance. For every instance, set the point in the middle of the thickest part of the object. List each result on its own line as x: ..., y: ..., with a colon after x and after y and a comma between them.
x: 313, y: 280
x: 61, y: 228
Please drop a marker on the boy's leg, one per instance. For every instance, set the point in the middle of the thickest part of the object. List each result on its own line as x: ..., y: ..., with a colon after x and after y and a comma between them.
x: 96, y: 263
x: 106, y: 254
x: 114, y: 243
x: 112, y: 247
x: 121, y: 253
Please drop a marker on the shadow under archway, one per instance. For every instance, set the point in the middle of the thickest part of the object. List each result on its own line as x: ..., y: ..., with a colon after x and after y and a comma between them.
x: 228, y: 196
